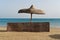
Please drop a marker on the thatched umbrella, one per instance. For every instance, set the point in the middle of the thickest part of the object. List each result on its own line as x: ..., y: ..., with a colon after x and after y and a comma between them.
x: 31, y: 10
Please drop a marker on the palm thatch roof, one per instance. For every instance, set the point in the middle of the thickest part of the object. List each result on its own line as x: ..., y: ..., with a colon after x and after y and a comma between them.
x: 31, y: 10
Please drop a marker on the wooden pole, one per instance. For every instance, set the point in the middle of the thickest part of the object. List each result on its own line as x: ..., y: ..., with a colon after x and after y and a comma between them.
x: 31, y: 18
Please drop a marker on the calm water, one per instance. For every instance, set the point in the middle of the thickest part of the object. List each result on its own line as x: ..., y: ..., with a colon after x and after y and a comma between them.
x: 53, y: 22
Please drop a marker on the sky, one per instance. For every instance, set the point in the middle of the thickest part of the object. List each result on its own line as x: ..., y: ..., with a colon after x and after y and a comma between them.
x: 9, y: 8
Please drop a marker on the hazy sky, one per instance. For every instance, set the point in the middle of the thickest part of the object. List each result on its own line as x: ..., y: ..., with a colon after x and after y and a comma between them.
x: 9, y: 8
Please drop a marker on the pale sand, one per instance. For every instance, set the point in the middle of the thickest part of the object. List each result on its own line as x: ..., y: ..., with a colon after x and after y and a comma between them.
x: 30, y: 35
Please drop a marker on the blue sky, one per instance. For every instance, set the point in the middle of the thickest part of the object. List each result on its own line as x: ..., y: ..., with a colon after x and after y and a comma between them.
x: 9, y: 8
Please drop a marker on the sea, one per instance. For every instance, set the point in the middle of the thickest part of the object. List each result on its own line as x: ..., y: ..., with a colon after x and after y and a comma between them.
x: 54, y: 22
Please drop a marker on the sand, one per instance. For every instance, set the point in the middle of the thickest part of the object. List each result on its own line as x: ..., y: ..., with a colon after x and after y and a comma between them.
x: 54, y: 34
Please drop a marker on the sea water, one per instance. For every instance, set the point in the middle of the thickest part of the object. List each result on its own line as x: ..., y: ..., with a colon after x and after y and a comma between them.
x: 54, y: 22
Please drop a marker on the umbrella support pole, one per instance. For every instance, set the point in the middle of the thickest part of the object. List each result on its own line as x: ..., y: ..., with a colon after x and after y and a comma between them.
x: 31, y: 18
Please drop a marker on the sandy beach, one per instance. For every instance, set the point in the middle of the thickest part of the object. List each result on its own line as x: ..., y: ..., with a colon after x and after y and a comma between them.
x: 54, y: 34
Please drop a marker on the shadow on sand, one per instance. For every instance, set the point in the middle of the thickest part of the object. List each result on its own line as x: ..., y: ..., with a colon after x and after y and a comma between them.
x: 3, y: 30
x: 55, y: 36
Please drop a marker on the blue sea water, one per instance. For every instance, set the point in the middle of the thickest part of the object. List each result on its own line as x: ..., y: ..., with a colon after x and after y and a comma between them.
x: 54, y: 22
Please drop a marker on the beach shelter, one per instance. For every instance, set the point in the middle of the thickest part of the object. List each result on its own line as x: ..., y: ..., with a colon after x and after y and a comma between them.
x: 31, y: 10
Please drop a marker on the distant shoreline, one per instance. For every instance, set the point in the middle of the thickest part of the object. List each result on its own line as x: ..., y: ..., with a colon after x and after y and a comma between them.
x: 29, y: 18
